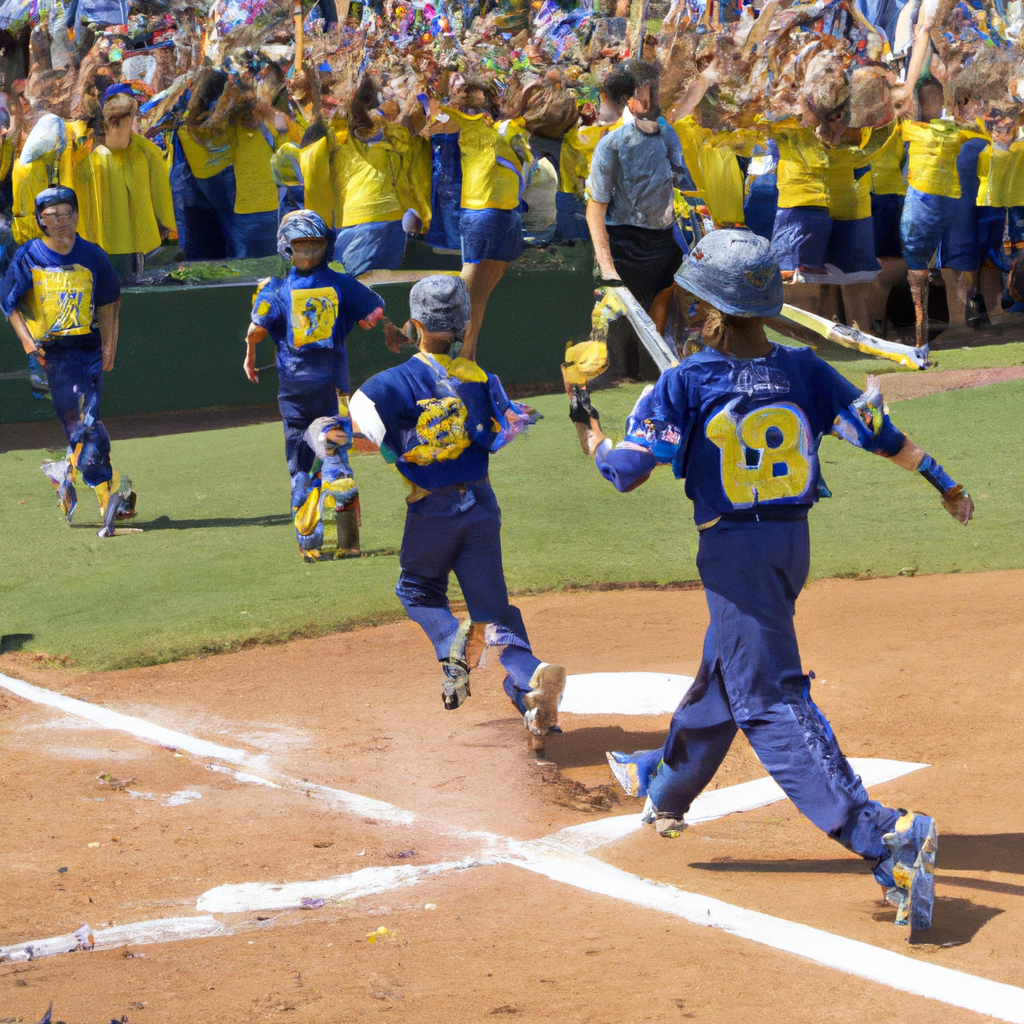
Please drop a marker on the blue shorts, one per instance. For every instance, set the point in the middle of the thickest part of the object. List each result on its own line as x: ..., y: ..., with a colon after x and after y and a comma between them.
x: 255, y: 235
x: 886, y: 210
x: 974, y: 230
x: 805, y: 237
x: 491, y: 235
x: 924, y: 223
x: 376, y: 246
x: 570, y: 218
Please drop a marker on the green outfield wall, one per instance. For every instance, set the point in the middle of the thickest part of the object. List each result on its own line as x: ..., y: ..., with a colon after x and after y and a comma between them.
x: 181, y: 344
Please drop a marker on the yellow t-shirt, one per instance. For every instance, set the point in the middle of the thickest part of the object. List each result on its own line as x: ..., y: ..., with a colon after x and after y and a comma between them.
x: 28, y: 180
x: 315, y: 163
x: 803, y: 167
x: 492, y: 171
x: 886, y: 166
x: 711, y: 160
x: 578, y: 145
x: 131, y: 197
x: 1001, y: 176
x: 931, y: 159
x: 207, y: 158
x: 366, y: 176
x: 849, y: 180
x: 255, y: 191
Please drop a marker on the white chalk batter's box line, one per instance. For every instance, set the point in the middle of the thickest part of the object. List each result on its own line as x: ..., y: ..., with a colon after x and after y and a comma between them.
x: 561, y: 857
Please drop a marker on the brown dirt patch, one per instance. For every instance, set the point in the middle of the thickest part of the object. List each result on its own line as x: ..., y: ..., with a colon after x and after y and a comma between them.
x: 898, y: 387
x: 919, y: 669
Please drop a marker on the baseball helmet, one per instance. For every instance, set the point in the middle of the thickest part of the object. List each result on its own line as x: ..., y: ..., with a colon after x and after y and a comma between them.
x: 299, y: 224
x: 441, y: 303
x: 735, y: 271
x: 55, y: 195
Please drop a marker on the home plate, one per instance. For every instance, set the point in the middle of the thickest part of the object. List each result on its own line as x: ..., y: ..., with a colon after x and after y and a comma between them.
x: 623, y: 693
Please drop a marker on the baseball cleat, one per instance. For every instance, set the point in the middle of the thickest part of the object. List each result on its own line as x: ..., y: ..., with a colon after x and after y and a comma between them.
x: 455, y: 689
x: 913, y: 844
x: 666, y: 827
x: 546, y: 686
x: 62, y: 476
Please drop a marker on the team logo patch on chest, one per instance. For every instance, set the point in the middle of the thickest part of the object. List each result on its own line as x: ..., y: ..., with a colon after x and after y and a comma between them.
x: 314, y: 314
x: 64, y: 297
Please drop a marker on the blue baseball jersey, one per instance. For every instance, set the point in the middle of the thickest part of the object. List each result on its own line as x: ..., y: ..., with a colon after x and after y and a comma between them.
x: 57, y: 294
x: 745, y: 432
x: 439, y: 419
x: 309, y: 316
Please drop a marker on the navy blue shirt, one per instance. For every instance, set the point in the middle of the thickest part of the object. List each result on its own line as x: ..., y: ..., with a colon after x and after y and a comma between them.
x: 309, y: 316
x: 743, y: 432
x: 58, y: 294
x: 440, y: 420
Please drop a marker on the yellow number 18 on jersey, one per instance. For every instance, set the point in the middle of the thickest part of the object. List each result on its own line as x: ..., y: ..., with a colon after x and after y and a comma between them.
x: 766, y: 454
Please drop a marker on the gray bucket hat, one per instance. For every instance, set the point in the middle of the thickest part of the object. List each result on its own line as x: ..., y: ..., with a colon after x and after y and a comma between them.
x: 441, y: 303
x: 735, y: 271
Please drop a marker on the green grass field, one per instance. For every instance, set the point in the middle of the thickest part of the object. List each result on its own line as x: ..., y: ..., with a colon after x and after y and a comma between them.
x: 216, y: 565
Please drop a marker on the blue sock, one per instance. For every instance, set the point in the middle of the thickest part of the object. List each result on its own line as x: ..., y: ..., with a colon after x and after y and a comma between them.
x: 520, y: 663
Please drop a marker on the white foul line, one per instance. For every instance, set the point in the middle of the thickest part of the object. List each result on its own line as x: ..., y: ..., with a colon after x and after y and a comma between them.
x: 555, y: 857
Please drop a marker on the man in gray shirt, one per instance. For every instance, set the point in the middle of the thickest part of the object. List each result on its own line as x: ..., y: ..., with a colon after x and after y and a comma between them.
x: 630, y: 214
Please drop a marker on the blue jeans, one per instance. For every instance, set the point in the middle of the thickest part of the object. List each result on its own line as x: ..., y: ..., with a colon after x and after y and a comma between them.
x: 445, y: 192
x: 255, y: 235
x: 376, y: 246
x: 75, y: 376
x: 570, y: 218
x: 751, y: 678
x: 491, y: 235
x: 204, y: 211
x: 974, y: 231
x: 924, y: 223
x: 458, y: 529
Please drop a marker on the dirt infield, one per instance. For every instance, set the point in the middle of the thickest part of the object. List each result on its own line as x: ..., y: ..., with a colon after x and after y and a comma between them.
x: 897, y: 387
x: 922, y: 670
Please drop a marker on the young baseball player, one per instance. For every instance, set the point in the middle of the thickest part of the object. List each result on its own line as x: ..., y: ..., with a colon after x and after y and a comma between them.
x: 741, y: 420
x: 61, y: 295
x: 439, y: 419
x: 309, y: 314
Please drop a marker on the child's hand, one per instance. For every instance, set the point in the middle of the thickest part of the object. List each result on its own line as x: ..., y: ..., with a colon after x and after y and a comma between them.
x: 369, y: 321
x: 249, y: 365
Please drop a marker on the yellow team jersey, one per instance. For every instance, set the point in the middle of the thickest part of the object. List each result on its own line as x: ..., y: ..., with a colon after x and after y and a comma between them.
x: 255, y: 191
x: 1001, y: 176
x: 850, y: 175
x: 73, y: 170
x: 931, y: 159
x: 492, y: 170
x: 578, y: 145
x: 315, y: 164
x: 60, y: 302
x: 711, y: 160
x: 803, y: 167
x: 368, y: 175
x: 131, y: 198
x: 206, y: 158
x: 887, y: 166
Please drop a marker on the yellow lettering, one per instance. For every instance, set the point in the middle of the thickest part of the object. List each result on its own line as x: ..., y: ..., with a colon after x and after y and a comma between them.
x: 779, y: 437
